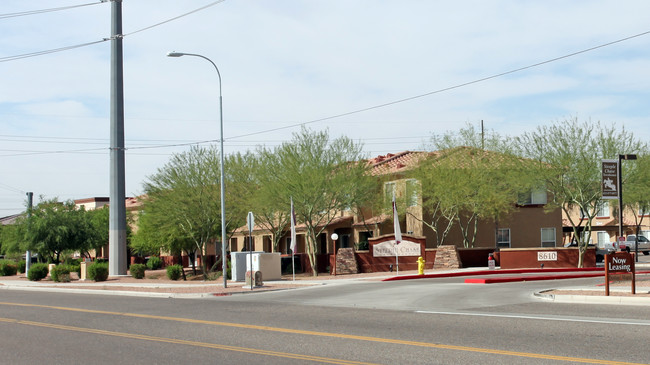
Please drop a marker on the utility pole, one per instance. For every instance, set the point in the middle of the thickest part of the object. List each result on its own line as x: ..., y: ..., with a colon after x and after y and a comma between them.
x: 482, y: 135
x: 28, y: 254
x: 117, y: 209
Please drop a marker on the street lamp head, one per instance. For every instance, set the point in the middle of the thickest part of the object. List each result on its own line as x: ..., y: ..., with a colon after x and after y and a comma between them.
x: 175, y: 54
x: 334, y: 236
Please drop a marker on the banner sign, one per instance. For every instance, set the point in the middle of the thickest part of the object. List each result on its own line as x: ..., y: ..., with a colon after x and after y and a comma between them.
x: 405, y: 248
x: 609, y: 181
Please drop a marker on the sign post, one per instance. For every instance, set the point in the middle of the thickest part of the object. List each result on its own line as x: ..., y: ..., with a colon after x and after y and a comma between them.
x: 619, y: 263
x: 250, y: 221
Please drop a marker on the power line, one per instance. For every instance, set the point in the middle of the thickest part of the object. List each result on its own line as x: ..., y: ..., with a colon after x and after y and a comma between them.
x: 61, y: 49
x: 41, y: 11
x: 443, y: 89
x: 11, y: 188
x: 368, y: 108
x: 49, y: 51
x: 31, y: 153
x: 175, y: 18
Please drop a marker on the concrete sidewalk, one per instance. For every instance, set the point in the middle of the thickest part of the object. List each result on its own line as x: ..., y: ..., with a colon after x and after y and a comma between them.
x: 128, y: 286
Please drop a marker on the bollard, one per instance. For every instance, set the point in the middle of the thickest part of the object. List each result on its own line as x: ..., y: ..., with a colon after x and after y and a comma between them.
x: 83, y: 271
x: 491, y: 262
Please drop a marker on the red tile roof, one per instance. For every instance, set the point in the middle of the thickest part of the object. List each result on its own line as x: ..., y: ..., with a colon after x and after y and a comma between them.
x: 393, y: 163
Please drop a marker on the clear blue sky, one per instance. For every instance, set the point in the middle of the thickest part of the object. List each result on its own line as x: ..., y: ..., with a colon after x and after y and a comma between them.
x: 285, y: 62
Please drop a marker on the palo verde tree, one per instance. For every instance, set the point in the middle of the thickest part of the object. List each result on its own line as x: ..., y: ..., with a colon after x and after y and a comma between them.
x: 323, y: 176
x: 569, y: 155
x: 183, y: 199
x: 471, y: 176
x: 636, y: 179
x: 57, y: 227
x: 270, y: 192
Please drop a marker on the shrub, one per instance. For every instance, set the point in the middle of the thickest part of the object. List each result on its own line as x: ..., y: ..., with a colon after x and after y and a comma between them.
x: 174, y: 272
x: 60, y: 273
x: 98, y: 271
x: 8, y: 268
x: 22, y: 265
x: 215, y: 275
x: 137, y: 270
x: 154, y: 263
x: 75, y: 268
x: 72, y: 262
x: 37, y: 272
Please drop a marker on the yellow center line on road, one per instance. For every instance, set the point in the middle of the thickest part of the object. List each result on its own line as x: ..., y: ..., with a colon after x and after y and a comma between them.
x: 187, y: 343
x: 337, y: 335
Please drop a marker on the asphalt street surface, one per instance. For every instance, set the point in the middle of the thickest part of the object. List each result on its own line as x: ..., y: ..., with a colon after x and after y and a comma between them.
x: 429, y: 321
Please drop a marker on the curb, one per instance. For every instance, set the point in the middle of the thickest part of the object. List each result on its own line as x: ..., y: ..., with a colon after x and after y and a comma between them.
x: 592, y: 299
x: 586, y: 273
x: 147, y: 294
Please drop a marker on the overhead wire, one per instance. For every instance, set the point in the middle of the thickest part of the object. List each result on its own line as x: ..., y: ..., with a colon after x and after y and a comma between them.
x: 444, y: 89
x: 66, y: 48
x: 174, y: 18
x: 50, y: 10
x: 11, y: 188
x: 357, y: 111
x: 49, y: 51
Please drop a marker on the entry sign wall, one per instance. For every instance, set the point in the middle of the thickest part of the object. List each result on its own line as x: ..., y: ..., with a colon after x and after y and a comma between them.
x: 619, y: 263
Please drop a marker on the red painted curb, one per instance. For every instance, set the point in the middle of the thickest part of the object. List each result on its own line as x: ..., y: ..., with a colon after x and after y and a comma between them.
x: 492, y: 272
x: 528, y: 278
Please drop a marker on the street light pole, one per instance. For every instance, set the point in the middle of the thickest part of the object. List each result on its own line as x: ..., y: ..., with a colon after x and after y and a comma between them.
x: 224, y: 264
x: 620, y: 198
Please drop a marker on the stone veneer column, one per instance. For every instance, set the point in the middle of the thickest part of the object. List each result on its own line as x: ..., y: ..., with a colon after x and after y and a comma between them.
x: 447, y: 258
x: 346, y: 262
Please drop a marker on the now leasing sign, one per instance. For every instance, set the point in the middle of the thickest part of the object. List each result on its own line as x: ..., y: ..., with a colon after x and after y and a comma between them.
x: 388, y: 249
x: 619, y: 263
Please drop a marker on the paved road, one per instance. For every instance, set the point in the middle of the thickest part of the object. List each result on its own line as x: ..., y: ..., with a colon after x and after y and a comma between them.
x: 414, y: 322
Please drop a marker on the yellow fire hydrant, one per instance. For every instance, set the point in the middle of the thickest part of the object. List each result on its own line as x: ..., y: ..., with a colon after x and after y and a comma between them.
x: 420, y: 265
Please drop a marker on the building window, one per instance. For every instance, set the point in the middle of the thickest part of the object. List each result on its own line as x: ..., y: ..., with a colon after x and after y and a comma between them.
x: 411, y: 192
x: 534, y: 197
x: 503, y: 237
x: 603, y: 238
x: 548, y: 237
x: 644, y: 212
x: 603, y: 210
x: 287, y: 245
x: 389, y: 191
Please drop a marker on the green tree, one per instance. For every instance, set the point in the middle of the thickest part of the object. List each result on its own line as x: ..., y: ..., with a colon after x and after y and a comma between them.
x: 243, y: 172
x: 56, y: 227
x: 472, y: 175
x: 183, y: 200
x: 322, y: 176
x: 99, y: 224
x: 636, y: 176
x: 155, y: 233
x: 569, y: 155
x: 269, y: 193
x: 10, y: 239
